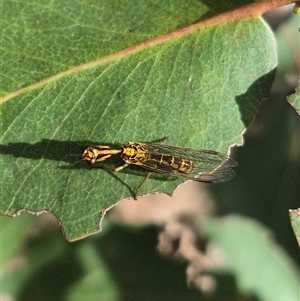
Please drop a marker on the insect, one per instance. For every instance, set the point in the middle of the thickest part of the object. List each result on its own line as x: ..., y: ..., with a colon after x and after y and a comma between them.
x: 199, y: 165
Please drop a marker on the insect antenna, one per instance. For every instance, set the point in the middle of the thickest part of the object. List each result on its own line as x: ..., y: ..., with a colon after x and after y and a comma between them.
x: 77, y: 161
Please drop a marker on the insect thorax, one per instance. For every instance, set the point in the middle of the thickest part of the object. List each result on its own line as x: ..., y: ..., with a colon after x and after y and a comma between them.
x: 134, y: 153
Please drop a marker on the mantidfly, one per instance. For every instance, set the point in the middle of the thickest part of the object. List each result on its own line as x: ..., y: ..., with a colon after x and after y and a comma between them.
x: 198, y: 165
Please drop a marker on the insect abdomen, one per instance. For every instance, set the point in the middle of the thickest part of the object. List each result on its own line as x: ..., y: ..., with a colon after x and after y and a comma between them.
x: 176, y: 163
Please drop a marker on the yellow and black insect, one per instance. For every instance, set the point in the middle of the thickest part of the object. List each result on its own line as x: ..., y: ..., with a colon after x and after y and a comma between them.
x: 198, y: 165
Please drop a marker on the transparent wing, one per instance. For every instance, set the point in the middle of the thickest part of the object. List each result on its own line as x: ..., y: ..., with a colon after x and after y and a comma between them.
x: 209, y: 166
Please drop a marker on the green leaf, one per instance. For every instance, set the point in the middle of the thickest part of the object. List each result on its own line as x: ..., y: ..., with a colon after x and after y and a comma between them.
x: 260, y: 265
x: 25, y: 252
x: 294, y: 99
x: 80, y: 74
x: 9, y: 230
x: 295, y: 222
x: 123, y: 264
x: 120, y: 264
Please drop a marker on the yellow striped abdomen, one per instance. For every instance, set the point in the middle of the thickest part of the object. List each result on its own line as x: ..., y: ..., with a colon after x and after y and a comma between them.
x: 176, y: 163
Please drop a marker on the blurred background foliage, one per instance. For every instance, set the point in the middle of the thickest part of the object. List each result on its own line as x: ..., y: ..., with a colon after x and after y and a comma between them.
x: 123, y: 263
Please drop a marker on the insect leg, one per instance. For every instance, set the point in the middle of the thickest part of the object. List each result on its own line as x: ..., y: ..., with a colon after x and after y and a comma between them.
x: 121, y: 167
x: 102, y: 158
x: 136, y: 192
x: 114, y: 170
x: 160, y: 141
x: 163, y: 140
